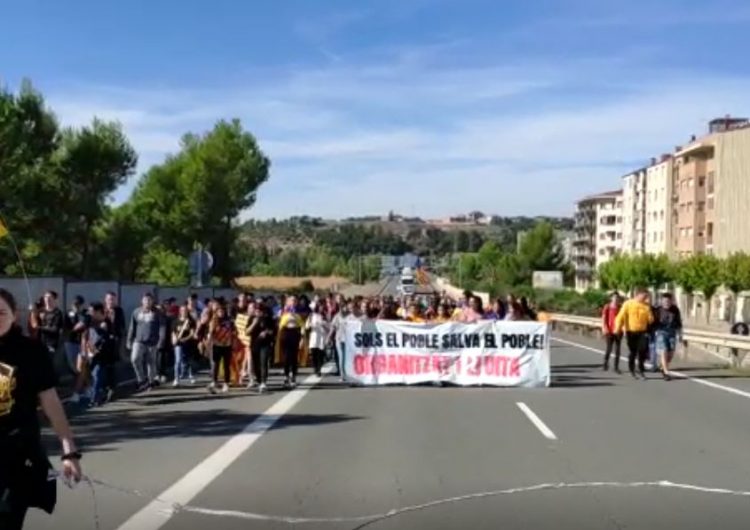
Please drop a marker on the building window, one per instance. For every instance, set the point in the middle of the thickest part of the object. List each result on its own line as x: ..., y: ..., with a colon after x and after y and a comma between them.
x: 661, y: 215
x: 619, y: 235
x: 701, y: 181
x: 710, y: 182
x: 701, y: 206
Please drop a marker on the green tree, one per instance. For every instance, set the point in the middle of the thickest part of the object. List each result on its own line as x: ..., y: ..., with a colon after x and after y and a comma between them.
x: 702, y: 273
x: 540, y: 250
x: 93, y: 162
x: 198, y: 194
x: 164, y: 267
x: 735, y: 272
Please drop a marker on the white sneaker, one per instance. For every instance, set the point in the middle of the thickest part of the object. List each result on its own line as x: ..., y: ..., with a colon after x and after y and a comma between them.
x: 162, y: 378
x: 224, y: 388
x: 176, y: 383
x: 262, y: 388
x: 192, y: 380
x: 293, y: 384
x: 212, y: 387
x: 75, y: 398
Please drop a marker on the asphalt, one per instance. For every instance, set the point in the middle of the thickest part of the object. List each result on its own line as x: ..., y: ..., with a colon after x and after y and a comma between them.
x: 345, y: 452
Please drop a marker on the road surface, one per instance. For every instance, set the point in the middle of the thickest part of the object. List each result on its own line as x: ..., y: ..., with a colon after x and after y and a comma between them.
x: 331, y: 451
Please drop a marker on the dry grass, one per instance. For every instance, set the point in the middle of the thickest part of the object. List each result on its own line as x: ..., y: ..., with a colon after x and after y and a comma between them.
x: 281, y: 283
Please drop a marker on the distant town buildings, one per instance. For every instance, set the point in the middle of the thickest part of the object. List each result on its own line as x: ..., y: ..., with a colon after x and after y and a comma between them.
x: 692, y: 201
x: 598, y: 235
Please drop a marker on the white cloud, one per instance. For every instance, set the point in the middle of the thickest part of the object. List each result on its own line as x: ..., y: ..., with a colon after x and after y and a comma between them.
x: 429, y: 139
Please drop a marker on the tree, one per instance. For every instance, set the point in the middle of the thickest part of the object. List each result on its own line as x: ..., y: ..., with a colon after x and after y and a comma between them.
x: 198, y: 194
x: 540, y: 250
x: 93, y: 162
x: 29, y: 137
x: 702, y: 273
x: 164, y: 267
x: 735, y: 272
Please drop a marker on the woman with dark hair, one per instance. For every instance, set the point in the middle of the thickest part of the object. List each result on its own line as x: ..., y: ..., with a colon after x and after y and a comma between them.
x: 262, y: 331
x: 526, y: 308
x: 27, y: 380
x: 222, y: 333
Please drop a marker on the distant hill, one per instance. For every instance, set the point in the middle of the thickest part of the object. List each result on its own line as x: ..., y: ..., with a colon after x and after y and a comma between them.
x: 392, y: 233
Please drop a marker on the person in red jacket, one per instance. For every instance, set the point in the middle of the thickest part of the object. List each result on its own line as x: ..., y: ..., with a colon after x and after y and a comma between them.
x: 613, y: 339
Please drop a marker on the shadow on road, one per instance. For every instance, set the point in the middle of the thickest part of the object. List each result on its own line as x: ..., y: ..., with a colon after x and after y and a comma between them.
x: 102, y: 429
x: 580, y: 376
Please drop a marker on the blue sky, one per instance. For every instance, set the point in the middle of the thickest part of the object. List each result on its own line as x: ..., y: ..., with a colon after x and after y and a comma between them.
x: 425, y: 107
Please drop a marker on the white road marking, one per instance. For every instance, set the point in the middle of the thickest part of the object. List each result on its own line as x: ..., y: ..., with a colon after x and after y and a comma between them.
x: 538, y: 423
x: 681, y: 375
x: 153, y: 516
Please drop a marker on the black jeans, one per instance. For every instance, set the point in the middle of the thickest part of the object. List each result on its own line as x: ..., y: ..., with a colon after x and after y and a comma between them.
x: 614, y: 341
x: 290, y: 349
x: 13, y: 520
x: 638, y: 348
x: 319, y: 357
x: 261, y: 357
x: 221, y: 354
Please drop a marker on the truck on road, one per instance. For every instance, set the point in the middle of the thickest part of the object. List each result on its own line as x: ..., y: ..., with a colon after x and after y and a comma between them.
x: 406, y: 286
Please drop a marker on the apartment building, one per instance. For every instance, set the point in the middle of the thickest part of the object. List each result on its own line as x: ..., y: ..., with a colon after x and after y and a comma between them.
x: 711, y: 191
x: 658, y: 209
x: 598, y: 235
x: 634, y: 212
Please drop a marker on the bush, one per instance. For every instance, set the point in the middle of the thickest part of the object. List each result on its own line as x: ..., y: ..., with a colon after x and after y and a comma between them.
x: 568, y: 301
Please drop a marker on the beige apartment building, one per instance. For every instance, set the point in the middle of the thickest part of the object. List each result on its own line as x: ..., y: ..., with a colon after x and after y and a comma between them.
x: 598, y: 235
x: 711, y: 191
x: 658, y: 210
x: 634, y: 212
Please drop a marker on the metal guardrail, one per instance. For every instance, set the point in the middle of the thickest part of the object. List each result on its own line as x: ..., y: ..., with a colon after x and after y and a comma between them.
x: 697, y: 336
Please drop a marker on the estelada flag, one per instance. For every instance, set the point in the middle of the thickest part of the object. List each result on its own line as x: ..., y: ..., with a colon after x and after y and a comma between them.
x: 3, y: 230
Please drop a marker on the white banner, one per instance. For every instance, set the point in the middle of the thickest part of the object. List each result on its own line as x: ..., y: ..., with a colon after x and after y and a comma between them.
x: 383, y: 352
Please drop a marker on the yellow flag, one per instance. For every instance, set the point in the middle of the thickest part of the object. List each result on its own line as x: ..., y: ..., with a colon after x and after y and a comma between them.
x: 3, y: 230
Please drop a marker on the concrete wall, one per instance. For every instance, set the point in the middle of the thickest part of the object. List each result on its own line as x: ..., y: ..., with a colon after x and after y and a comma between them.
x: 37, y: 287
x: 90, y: 291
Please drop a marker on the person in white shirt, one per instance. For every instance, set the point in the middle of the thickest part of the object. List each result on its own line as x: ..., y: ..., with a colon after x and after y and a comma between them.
x: 318, y: 329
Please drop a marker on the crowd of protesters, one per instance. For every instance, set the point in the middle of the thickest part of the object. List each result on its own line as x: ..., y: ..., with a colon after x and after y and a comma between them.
x: 238, y: 339
x: 650, y: 331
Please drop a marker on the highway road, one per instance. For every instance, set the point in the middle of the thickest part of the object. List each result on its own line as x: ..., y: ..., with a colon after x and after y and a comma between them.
x: 594, y: 451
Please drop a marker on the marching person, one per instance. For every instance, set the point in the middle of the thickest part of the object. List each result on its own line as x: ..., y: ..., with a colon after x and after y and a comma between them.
x: 222, y: 333
x: 261, y: 331
x: 318, y: 332
x: 77, y: 322
x: 635, y: 318
x: 612, y: 338
x: 147, y: 332
x: 290, y: 340
x: 667, y: 332
x: 183, y: 339
x: 27, y: 380
x: 100, y: 350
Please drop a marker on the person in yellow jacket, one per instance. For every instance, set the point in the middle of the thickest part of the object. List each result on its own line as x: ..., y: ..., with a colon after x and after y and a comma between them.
x: 290, y: 341
x: 634, y: 318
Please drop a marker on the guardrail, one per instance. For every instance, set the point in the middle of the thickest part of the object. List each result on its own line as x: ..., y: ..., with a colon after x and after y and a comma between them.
x: 737, y: 345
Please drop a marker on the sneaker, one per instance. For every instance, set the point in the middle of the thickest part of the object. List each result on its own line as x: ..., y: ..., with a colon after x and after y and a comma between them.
x: 293, y: 384
x: 162, y: 378
x: 224, y: 388
x: 606, y: 367
x: 287, y: 384
x: 110, y: 396
x: 262, y: 388
x: 192, y: 380
x: 642, y: 375
x: 212, y: 388
x: 176, y: 383
x: 618, y: 371
x: 75, y: 398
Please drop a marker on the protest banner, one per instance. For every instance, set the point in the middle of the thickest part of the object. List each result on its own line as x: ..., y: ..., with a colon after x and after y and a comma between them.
x: 383, y: 352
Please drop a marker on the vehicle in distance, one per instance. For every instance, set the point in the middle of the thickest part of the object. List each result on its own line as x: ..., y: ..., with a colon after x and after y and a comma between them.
x: 406, y: 285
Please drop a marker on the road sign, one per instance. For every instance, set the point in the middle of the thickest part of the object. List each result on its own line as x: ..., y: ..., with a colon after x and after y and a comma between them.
x: 200, y: 263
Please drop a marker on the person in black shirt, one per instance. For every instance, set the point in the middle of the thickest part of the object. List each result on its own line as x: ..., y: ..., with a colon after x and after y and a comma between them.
x: 101, y: 351
x: 27, y: 380
x: 51, y: 322
x: 185, y: 346
x: 262, y: 333
x: 667, y: 331
x: 76, y: 323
